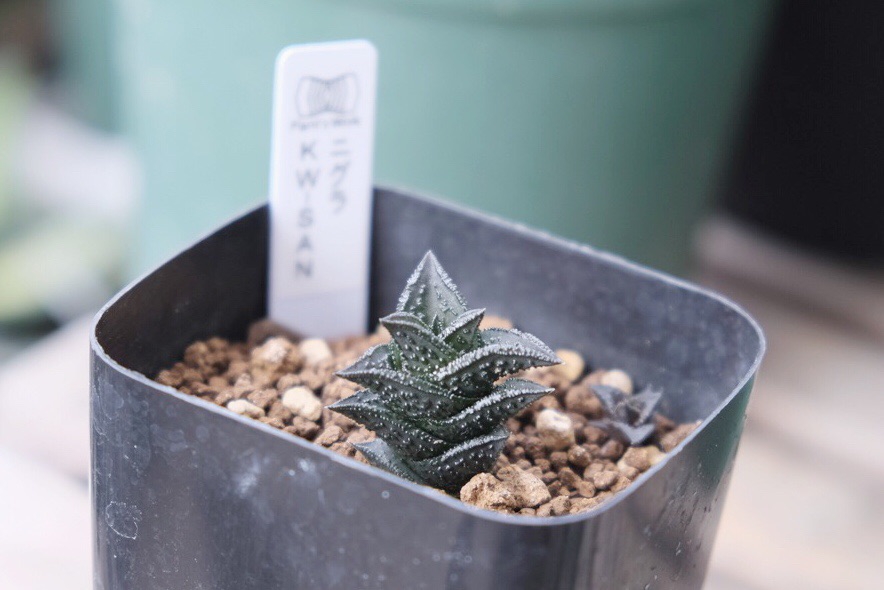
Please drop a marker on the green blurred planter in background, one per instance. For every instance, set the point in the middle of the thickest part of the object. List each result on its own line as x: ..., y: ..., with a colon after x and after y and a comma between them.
x: 601, y: 120
x: 85, y: 29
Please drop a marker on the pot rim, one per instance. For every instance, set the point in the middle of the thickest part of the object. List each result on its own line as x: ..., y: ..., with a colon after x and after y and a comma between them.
x: 426, y: 491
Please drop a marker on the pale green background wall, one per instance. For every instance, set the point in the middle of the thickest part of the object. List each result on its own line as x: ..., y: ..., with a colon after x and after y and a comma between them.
x: 603, y: 121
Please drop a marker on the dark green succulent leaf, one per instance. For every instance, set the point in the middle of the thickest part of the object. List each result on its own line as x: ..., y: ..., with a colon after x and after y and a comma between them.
x: 625, y: 433
x: 405, y: 436
x: 437, y: 326
x: 504, y: 352
x: 410, y: 395
x: 633, y: 410
x: 489, y: 412
x: 431, y: 396
x: 431, y: 294
x: 518, y: 338
x: 383, y: 456
x: 463, y: 332
x: 626, y: 416
x: 456, y: 466
x: 612, y: 401
x: 353, y: 405
x: 376, y: 357
x: 395, y: 356
x: 643, y: 404
x: 422, y: 351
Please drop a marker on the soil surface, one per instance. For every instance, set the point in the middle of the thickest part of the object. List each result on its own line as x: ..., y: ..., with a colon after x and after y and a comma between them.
x: 554, y: 463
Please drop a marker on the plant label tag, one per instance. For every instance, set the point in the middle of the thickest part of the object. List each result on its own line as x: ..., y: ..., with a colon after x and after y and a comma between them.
x: 321, y: 187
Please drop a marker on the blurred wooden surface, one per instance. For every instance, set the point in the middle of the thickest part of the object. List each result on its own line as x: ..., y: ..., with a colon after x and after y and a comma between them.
x: 806, y: 504
x: 44, y: 464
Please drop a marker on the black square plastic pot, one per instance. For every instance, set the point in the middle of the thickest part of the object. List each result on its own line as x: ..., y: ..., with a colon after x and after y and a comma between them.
x: 187, y: 494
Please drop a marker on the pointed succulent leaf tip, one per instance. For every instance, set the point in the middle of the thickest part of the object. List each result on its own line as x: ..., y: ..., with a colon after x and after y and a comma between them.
x: 626, y: 434
x: 610, y: 397
x: 410, y: 394
x: 405, y: 437
x: 381, y: 455
x: 376, y: 357
x: 433, y: 395
x: 504, y: 352
x: 463, y: 332
x: 492, y: 410
x: 626, y: 416
x: 644, y: 404
x: 421, y: 349
x: 431, y: 294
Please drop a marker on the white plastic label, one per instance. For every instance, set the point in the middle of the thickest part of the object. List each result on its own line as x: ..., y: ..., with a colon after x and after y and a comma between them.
x: 321, y: 187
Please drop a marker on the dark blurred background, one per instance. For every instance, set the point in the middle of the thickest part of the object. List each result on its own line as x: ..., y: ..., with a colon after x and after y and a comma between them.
x: 734, y: 142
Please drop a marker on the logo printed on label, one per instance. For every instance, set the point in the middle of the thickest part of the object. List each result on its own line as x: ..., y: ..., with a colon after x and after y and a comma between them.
x: 317, y: 96
x: 320, y: 187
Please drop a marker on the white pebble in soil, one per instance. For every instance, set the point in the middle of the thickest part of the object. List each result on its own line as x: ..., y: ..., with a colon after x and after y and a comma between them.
x: 555, y: 429
x: 301, y: 401
x: 619, y: 379
x: 315, y: 350
x: 245, y: 408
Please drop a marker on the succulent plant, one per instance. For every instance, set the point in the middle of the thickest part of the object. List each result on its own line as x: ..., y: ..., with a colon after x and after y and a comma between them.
x: 434, y: 395
x: 627, y: 416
